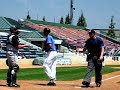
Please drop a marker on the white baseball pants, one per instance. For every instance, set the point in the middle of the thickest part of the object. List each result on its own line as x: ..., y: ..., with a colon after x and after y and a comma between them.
x: 50, y: 64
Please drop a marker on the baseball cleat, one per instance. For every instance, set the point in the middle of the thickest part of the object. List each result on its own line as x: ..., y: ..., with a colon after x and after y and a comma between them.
x: 16, y: 85
x: 85, y: 83
x: 12, y: 85
x: 51, y: 84
x: 98, y: 84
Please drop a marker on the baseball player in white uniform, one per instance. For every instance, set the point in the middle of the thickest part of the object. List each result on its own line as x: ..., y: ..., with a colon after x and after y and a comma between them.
x: 51, y: 56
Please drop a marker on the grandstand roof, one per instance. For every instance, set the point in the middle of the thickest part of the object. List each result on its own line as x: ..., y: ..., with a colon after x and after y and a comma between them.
x: 4, y: 24
x: 26, y: 32
x: 32, y: 34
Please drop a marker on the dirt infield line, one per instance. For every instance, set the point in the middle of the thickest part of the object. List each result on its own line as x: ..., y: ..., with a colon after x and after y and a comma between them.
x: 109, y: 78
x: 103, y: 80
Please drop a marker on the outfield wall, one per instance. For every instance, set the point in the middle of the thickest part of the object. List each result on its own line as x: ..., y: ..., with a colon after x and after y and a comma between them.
x: 79, y: 60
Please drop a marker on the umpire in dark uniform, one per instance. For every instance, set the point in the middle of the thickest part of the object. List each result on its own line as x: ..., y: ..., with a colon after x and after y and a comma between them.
x: 12, y: 56
x: 95, y: 47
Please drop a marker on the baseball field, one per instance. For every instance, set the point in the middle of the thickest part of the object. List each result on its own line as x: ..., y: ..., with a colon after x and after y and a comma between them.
x: 69, y: 77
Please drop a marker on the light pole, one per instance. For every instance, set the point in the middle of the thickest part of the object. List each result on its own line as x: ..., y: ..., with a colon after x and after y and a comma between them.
x: 71, y: 11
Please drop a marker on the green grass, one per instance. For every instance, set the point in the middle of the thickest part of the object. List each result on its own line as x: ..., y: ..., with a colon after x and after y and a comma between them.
x: 63, y: 73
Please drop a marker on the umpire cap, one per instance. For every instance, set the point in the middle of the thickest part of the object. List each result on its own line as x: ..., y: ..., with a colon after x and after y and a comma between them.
x: 91, y: 31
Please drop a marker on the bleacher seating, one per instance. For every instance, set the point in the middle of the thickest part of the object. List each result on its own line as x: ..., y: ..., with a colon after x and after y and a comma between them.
x: 54, y: 24
x: 72, y: 36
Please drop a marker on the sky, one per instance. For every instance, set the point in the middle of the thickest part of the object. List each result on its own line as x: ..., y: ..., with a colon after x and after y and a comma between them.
x: 97, y: 12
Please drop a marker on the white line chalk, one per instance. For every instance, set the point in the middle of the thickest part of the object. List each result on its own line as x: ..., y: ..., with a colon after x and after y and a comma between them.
x: 103, y: 80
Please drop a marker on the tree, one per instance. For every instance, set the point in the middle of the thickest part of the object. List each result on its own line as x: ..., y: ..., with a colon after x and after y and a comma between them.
x: 28, y: 16
x: 82, y: 21
x: 44, y: 18
x: 67, y: 20
x: 111, y: 32
x: 62, y: 20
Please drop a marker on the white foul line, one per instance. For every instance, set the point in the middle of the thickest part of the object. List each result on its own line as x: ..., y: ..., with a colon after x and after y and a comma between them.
x: 103, y: 80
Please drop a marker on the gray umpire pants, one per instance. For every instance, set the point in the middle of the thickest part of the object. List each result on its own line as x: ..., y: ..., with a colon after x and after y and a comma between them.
x: 93, y: 63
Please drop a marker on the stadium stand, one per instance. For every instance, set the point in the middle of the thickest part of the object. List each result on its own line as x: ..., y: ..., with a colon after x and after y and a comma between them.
x: 61, y: 32
x: 54, y: 24
x: 32, y: 34
x: 71, y: 36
